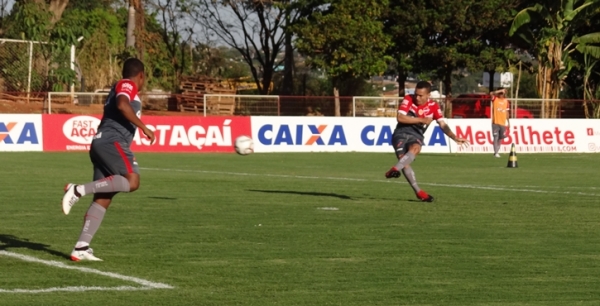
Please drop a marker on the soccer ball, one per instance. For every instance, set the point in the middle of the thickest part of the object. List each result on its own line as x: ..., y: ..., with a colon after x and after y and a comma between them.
x: 244, y: 145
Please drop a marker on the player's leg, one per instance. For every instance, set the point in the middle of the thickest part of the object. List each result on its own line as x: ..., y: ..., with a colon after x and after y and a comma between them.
x: 497, y: 138
x: 91, y: 223
x: 502, y: 133
x: 120, y: 169
x: 405, y: 152
x: 409, y: 174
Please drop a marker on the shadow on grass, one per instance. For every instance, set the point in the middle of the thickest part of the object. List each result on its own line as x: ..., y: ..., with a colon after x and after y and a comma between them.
x: 12, y: 242
x: 315, y: 194
x: 163, y: 198
x: 419, y: 201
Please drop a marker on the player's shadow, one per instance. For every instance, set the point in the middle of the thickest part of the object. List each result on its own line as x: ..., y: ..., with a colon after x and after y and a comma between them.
x: 315, y: 194
x: 12, y: 242
x: 163, y: 198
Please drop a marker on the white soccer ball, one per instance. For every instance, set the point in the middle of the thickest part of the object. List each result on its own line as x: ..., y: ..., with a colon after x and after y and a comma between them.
x: 244, y: 145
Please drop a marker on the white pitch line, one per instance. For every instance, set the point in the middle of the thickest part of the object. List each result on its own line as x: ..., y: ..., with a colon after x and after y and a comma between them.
x: 75, y: 289
x: 58, y: 264
x: 509, y: 188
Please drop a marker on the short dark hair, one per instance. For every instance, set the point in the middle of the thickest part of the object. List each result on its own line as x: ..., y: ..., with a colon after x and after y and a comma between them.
x: 132, y: 67
x: 424, y: 85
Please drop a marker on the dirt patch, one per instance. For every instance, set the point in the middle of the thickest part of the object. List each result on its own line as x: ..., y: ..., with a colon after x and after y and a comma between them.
x: 11, y: 107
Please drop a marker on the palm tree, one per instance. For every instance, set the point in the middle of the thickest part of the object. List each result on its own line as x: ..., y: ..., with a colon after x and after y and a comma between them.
x: 551, y: 30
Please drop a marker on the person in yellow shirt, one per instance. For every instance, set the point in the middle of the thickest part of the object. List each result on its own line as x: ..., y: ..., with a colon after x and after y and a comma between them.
x: 500, y: 112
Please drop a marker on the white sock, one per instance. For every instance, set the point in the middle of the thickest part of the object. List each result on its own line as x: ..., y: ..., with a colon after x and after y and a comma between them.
x: 81, y: 244
x: 80, y: 189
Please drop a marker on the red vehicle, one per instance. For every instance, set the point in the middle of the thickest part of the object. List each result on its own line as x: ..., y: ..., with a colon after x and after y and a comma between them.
x: 478, y: 106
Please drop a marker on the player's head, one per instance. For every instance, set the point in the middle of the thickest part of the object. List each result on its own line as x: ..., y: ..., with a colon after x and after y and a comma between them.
x: 133, y: 69
x: 422, y: 92
x: 501, y: 92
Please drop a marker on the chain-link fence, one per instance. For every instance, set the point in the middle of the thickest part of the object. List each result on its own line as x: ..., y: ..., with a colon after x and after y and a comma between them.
x: 23, y: 66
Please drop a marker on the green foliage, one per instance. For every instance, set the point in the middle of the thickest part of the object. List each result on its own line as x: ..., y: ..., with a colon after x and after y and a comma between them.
x: 553, y: 32
x: 346, y: 39
x: 30, y: 22
x: 467, y: 82
x: 463, y: 34
x: 86, y: 22
x: 527, y: 87
x: 89, y: 5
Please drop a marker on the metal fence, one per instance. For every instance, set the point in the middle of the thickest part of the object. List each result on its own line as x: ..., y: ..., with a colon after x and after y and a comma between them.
x: 246, y: 105
x: 24, y: 66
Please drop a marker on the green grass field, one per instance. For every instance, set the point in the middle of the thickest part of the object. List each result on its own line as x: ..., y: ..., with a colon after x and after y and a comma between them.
x: 231, y: 230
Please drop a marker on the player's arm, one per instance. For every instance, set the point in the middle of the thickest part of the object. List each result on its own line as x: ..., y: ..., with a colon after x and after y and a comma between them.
x: 125, y: 108
x: 439, y: 117
x: 448, y: 131
x: 496, y: 92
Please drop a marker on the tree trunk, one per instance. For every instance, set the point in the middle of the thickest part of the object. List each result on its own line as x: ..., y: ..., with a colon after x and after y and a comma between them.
x: 492, y: 75
x: 402, y: 76
x: 130, y: 38
x: 516, y: 97
x: 267, y: 77
x: 448, y: 93
x: 56, y: 7
x: 544, y: 87
x: 139, y: 29
x: 336, y: 94
x: 288, y: 70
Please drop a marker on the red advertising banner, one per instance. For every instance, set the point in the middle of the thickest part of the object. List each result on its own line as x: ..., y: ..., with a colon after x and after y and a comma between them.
x: 173, y: 134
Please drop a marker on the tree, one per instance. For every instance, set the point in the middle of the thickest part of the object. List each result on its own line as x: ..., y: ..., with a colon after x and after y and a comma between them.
x: 104, y: 40
x: 496, y: 48
x: 253, y: 27
x: 4, y: 12
x: 462, y: 34
x: 176, y: 32
x: 35, y: 20
x: 551, y: 29
x: 55, y: 7
x: 89, y: 5
x: 345, y: 38
x: 403, y: 22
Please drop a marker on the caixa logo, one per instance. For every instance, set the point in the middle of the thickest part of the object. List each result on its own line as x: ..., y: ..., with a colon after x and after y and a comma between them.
x: 372, y: 135
x: 27, y: 134
x: 295, y: 135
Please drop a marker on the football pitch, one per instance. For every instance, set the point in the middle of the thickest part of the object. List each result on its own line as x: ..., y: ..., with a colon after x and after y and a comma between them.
x: 307, y: 229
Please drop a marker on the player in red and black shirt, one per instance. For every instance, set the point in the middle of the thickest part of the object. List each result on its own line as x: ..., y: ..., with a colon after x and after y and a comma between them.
x: 415, y: 113
x: 115, y: 168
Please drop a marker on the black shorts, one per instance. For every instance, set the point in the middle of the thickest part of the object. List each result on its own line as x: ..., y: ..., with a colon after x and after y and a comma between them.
x: 112, y: 157
x: 402, y: 141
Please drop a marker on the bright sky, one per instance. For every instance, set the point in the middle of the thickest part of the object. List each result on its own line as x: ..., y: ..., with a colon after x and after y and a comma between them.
x: 9, y: 4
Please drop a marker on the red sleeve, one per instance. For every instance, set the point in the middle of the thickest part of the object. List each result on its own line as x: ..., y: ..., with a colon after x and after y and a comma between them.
x: 437, y: 112
x: 128, y: 88
x: 405, y: 106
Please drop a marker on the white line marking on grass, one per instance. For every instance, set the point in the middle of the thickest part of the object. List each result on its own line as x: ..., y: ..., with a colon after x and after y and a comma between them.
x: 494, y: 187
x: 146, y: 285
x: 75, y: 289
x: 328, y: 208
